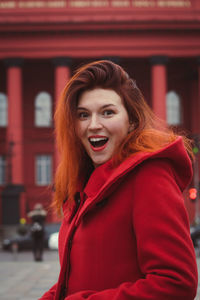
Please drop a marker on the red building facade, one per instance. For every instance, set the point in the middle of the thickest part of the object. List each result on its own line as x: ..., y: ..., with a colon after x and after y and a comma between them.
x: 43, y: 42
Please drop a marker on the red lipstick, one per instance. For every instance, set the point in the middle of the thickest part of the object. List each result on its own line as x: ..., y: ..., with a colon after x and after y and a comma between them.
x: 98, y: 142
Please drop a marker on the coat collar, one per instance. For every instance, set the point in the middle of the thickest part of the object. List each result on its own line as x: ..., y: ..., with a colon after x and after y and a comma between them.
x: 105, y: 175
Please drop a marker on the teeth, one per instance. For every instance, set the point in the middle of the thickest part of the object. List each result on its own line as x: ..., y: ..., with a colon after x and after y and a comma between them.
x: 97, y: 139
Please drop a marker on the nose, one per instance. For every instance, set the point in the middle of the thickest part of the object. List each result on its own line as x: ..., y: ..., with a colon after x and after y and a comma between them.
x: 95, y: 123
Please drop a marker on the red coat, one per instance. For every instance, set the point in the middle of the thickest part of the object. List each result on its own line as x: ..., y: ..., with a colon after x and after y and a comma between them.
x: 130, y: 238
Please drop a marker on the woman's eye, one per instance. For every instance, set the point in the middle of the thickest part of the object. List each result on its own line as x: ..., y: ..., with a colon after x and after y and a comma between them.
x: 82, y: 115
x: 108, y: 112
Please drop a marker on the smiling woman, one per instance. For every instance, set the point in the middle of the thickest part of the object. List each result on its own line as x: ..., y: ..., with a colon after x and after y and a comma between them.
x: 102, y: 123
x: 119, y: 238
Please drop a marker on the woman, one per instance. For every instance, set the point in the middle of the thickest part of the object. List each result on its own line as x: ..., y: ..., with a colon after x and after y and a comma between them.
x: 125, y: 233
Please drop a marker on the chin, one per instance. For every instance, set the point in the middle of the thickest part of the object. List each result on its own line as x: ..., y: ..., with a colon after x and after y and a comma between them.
x: 99, y: 163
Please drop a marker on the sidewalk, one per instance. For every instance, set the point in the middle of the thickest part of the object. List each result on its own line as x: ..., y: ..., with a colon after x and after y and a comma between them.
x: 23, y: 279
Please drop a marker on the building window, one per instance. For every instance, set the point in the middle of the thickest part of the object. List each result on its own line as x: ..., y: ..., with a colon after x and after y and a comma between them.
x: 3, y: 110
x: 2, y: 169
x: 43, y: 110
x: 173, y: 108
x: 43, y: 169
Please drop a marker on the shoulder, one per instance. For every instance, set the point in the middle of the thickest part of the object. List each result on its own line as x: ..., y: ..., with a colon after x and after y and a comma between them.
x: 155, y: 189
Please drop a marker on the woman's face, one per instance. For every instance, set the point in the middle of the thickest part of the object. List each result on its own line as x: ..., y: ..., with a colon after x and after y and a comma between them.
x: 102, y: 123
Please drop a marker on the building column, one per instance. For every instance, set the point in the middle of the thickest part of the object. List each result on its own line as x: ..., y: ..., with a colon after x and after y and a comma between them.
x: 159, y: 85
x: 62, y: 76
x: 194, y: 106
x: 15, y: 139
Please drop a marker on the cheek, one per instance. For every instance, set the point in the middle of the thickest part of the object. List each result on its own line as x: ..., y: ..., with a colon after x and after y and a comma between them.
x: 81, y: 131
x: 119, y: 131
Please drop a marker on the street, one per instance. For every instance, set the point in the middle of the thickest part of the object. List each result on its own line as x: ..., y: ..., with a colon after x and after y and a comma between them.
x: 23, y: 279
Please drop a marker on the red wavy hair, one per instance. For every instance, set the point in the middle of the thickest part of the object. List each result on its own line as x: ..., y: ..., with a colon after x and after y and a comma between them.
x: 149, y: 134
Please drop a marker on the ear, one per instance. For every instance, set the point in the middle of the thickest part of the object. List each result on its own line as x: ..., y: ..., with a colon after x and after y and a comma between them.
x: 131, y: 127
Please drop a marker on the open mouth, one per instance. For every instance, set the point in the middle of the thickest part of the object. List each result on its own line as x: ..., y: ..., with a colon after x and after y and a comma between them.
x: 98, y: 142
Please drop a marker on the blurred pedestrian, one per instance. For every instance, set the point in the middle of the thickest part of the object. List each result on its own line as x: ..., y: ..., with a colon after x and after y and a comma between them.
x: 37, y: 215
x: 125, y: 233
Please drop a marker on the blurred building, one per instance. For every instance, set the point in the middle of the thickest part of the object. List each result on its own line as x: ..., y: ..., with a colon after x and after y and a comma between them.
x: 43, y: 42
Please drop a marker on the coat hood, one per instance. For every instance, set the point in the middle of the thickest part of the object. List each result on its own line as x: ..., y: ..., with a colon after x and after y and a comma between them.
x: 105, y: 178
x: 105, y: 175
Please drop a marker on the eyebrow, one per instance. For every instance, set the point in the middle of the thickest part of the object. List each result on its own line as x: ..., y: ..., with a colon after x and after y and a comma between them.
x: 104, y: 106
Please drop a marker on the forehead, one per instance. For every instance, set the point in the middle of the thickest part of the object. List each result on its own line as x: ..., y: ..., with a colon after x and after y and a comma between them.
x: 99, y: 96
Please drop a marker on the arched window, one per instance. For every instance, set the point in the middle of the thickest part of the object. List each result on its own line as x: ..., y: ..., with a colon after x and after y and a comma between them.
x: 173, y: 108
x: 3, y: 110
x: 43, y: 110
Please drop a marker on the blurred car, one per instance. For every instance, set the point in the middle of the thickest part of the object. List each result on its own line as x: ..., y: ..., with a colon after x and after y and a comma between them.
x: 18, y: 242
x: 53, y: 241
x: 24, y: 242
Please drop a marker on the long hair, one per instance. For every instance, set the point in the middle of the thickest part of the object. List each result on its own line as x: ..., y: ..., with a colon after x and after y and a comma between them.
x: 149, y: 134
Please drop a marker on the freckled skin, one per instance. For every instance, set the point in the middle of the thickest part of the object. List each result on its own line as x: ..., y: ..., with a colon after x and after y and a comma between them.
x: 101, y: 112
